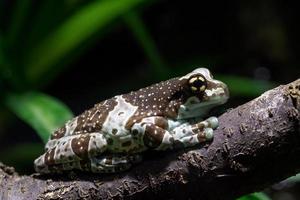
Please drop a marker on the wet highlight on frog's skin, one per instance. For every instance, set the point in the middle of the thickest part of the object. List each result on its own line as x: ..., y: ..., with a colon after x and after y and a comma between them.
x: 111, y: 136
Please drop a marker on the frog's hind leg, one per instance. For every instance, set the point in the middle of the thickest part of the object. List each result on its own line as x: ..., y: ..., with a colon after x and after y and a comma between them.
x: 114, y: 163
x: 60, y: 168
x: 70, y: 151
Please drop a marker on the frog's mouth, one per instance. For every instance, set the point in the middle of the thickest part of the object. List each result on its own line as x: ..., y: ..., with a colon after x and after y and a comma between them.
x: 221, y: 90
x: 215, y: 100
x: 194, y: 107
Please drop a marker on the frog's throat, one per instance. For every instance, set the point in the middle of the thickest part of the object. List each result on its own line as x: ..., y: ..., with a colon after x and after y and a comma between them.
x: 200, y: 109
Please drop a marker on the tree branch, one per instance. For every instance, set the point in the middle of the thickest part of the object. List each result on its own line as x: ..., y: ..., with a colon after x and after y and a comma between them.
x: 256, y: 145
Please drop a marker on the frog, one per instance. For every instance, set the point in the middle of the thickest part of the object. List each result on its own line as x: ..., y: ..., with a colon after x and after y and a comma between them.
x: 113, y: 135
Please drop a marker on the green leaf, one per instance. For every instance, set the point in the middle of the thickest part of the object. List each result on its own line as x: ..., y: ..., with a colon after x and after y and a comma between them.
x: 294, y: 179
x: 145, y: 40
x: 73, y: 32
x: 255, y: 196
x: 45, y: 22
x: 240, y: 86
x: 42, y: 112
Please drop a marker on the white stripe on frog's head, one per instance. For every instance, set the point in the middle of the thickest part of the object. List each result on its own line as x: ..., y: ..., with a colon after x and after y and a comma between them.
x: 205, y: 72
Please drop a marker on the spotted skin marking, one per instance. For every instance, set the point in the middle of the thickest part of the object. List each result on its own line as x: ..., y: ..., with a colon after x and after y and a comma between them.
x: 92, y: 120
x: 162, y: 98
x: 80, y: 145
x: 153, y: 136
x: 161, y: 122
x: 111, y: 136
x: 49, y: 157
x: 59, y: 133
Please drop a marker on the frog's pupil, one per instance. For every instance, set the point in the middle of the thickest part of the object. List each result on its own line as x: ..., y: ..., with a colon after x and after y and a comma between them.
x: 198, y: 83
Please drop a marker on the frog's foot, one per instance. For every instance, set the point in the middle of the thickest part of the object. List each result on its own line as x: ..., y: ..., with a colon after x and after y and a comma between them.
x: 114, y: 163
x: 206, y: 135
x: 203, y: 129
x: 197, y: 138
x: 211, y: 122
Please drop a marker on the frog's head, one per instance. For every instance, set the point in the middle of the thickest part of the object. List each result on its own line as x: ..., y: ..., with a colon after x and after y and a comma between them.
x: 189, y: 96
x: 202, y: 93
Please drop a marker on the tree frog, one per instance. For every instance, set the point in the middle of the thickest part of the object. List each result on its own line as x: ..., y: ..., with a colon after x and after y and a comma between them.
x: 111, y: 136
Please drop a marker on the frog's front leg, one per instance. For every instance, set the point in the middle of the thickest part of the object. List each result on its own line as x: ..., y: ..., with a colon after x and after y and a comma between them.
x: 187, y: 135
x: 203, y: 131
x: 157, y: 136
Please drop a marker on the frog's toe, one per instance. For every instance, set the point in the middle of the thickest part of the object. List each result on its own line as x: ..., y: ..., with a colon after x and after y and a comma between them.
x: 213, y: 122
x: 209, y: 134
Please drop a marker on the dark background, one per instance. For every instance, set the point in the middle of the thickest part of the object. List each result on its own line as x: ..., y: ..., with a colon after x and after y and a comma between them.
x: 255, y: 40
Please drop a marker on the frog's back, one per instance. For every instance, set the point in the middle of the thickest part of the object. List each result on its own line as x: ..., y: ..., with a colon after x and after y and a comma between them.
x: 89, y: 121
x: 112, y: 117
x: 116, y: 115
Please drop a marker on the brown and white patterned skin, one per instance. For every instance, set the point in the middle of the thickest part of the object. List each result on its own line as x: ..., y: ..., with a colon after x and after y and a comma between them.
x: 111, y: 136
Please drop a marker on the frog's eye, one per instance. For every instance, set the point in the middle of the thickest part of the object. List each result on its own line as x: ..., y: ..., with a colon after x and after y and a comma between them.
x: 197, y: 84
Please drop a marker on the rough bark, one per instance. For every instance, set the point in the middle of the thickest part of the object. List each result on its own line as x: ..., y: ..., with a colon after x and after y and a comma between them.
x: 256, y: 145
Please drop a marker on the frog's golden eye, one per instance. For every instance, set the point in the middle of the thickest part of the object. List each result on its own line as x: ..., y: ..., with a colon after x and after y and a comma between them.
x: 197, y: 84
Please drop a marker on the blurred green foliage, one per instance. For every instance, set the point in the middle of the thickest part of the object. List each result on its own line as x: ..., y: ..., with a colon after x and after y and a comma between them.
x: 255, y: 196
x: 54, y: 40
x: 294, y: 179
x: 74, y: 31
x: 41, y: 60
x: 40, y: 63
x: 44, y: 113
